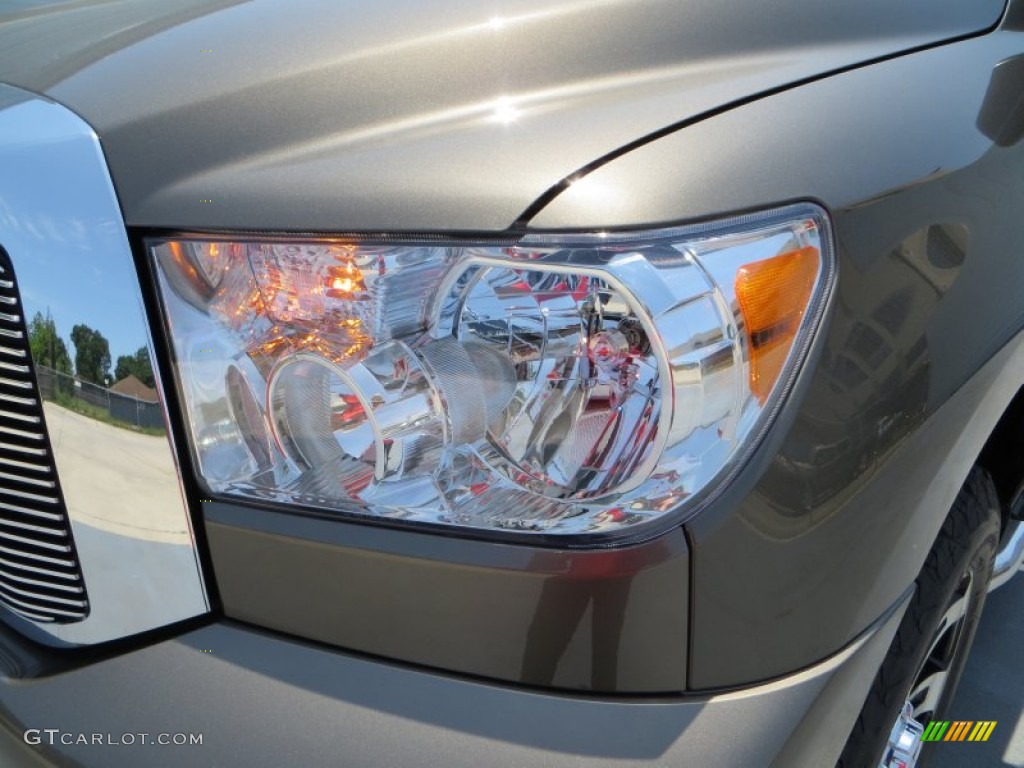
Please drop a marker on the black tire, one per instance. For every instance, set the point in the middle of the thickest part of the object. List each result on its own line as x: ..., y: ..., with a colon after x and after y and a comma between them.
x: 958, y: 565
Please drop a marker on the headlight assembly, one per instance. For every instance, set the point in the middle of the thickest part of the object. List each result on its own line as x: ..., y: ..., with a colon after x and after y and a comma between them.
x: 559, y: 384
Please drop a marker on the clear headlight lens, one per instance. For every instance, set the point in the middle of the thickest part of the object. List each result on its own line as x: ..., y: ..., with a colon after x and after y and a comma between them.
x: 563, y: 384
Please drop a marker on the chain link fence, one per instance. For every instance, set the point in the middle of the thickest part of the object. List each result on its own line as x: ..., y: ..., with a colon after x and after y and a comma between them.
x: 99, y: 402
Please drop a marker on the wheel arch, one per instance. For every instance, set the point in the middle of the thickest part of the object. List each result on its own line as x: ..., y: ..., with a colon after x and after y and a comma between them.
x: 1003, y: 454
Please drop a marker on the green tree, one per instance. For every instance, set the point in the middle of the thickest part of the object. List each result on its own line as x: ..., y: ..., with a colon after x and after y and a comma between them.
x: 92, y: 355
x: 48, y: 348
x: 137, y: 365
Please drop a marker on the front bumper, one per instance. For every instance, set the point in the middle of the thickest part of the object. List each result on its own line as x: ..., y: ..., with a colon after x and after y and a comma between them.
x: 259, y: 699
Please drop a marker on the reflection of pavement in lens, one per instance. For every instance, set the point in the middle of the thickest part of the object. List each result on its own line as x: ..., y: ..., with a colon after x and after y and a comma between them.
x: 992, y: 687
x: 121, y: 477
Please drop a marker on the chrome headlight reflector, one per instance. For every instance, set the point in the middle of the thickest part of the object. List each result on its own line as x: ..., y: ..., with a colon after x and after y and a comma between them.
x: 559, y: 384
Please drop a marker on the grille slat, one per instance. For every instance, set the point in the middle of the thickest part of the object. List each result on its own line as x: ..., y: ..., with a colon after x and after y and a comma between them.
x: 35, y: 557
x: 18, y: 400
x: 32, y: 482
x: 53, y: 574
x: 32, y: 528
x: 16, y: 383
x: 41, y: 594
x: 15, y: 539
x: 23, y: 418
x: 49, y: 501
x: 40, y: 578
x: 26, y: 612
x: 14, y: 448
x: 11, y: 416
x: 33, y: 609
x: 23, y: 433
x: 24, y: 465
x: 14, y: 576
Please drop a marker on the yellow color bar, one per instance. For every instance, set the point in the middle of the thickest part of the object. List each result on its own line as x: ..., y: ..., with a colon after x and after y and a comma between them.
x: 983, y: 730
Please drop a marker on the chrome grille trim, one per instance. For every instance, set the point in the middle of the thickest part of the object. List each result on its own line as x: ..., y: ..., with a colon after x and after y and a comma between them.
x: 43, y: 531
x: 43, y: 597
x: 28, y: 497
x: 22, y: 417
x: 29, y: 610
x: 128, y: 536
x: 51, y: 573
x: 28, y: 466
x: 22, y: 433
x: 33, y: 516
x: 42, y: 452
x: 34, y: 513
x: 11, y: 366
x: 17, y: 400
x: 15, y: 577
x: 39, y: 559
x: 16, y: 384
x: 15, y: 538
x: 35, y: 481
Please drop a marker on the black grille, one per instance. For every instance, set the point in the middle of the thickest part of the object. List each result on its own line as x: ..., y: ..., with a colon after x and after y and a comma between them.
x: 40, y: 578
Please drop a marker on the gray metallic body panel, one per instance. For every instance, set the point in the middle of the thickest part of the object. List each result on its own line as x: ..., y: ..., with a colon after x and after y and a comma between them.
x: 612, y: 620
x: 925, y: 188
x: 260, y: 700
x: 445, y: 118
x: 399, y: 116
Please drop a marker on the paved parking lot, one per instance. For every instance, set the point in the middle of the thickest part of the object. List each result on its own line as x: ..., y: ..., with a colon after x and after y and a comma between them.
x: 993, y: 686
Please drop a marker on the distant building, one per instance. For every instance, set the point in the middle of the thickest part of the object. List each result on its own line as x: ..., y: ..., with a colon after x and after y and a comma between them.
x: 130, y: 385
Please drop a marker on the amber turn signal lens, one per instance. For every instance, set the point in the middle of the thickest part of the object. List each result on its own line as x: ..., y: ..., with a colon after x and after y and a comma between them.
x: 773, y: 296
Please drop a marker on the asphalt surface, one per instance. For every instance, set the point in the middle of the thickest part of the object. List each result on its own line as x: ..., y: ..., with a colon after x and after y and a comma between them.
x: 992, y: 687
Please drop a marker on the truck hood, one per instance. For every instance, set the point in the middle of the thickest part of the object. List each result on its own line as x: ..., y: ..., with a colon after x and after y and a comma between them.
x: 320, y: 115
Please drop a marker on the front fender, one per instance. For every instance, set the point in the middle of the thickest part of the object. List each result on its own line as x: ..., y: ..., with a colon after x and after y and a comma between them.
x: 920, y: 164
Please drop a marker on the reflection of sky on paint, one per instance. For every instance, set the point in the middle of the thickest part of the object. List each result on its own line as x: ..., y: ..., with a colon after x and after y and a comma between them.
x: 64, y: 235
